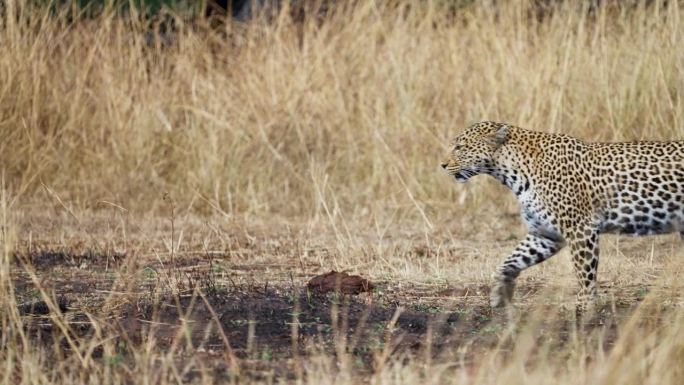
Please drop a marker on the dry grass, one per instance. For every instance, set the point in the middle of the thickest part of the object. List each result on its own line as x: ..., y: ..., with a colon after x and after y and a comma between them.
x: 346, y: 118
x: 224, y: 169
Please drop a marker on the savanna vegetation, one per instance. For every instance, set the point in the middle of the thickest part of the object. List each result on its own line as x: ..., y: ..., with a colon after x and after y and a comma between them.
x: 169, y: 184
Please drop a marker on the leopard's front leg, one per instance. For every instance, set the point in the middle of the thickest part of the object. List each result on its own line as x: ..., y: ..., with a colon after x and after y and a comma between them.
x: 532, y: 250
x: 584, y: 247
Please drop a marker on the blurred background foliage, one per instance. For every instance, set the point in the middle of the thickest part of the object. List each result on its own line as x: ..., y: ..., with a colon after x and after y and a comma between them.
x: 146, y: 8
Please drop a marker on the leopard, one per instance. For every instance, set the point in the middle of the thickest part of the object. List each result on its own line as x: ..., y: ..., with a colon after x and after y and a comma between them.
x: 569, y: 191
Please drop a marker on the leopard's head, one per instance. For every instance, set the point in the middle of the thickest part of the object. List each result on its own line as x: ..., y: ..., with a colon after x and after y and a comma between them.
x: 471, y: 151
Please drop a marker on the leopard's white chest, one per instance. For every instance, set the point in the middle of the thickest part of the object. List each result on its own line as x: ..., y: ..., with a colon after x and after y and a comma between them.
x: 536, y: 215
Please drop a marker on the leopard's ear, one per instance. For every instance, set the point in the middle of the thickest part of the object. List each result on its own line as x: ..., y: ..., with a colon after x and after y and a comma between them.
x: 501, y: 135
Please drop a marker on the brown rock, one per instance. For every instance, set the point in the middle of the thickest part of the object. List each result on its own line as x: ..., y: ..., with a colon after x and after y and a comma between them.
x: 340, y: 282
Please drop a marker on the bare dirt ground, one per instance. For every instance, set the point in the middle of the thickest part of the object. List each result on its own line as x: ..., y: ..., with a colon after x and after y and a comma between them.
x: 237, y: 303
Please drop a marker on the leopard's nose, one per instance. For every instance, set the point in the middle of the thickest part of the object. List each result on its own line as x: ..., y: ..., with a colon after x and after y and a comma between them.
x: 444, y: 165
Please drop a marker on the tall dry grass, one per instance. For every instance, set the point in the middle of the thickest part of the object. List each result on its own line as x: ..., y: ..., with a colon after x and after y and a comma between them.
x: 335, y: 118
x: 346, y: 113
